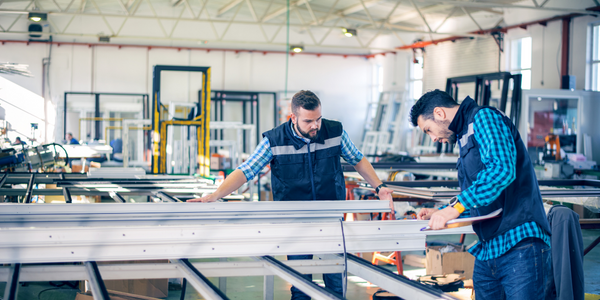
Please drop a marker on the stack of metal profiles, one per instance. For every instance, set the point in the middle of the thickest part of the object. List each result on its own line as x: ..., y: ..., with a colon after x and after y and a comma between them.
x: 165, y: 228
x: 440, y: 190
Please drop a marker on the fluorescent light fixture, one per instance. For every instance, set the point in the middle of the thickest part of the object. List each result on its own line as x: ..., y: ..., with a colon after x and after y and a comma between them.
x: 349, y: 32
x: 297, y: 48
x: 38, y: 17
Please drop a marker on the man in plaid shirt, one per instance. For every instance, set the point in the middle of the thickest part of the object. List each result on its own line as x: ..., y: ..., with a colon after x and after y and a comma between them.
x: 513, y: 258
x: 304, y: 155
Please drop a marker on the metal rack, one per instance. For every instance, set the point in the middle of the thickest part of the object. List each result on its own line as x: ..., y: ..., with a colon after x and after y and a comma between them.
x: 166, y: 228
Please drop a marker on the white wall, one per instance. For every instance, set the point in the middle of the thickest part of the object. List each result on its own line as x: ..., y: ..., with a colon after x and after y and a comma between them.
x: 343, y: 84
x: 466, y: 57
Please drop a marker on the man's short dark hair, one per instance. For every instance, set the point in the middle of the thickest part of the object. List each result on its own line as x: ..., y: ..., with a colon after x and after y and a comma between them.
x: 427, y: 103
x: 305, y: 99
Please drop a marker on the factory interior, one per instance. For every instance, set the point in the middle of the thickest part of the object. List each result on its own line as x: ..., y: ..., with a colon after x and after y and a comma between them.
x: 299, y: 149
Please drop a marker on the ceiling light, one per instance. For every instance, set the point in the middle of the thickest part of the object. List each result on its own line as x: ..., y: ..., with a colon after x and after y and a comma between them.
x: 349, y: 32
x: 297, y: 49
x: 38, y: 17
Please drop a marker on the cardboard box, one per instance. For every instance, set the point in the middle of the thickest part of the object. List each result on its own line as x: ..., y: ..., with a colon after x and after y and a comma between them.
x: 158, y: 288
x: 460, y: 262
x: 220, y: 163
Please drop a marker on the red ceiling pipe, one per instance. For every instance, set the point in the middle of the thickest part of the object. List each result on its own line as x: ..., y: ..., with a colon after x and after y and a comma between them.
x: 191, y: 48
x: 543, y: 22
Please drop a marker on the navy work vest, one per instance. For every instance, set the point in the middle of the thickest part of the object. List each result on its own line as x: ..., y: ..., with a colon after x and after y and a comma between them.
x: 521, y: 201
x: 299, y: 175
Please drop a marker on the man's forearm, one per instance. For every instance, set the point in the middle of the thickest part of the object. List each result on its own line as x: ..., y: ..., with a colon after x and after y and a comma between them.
x: 233, y: 182
x: 365, y: 169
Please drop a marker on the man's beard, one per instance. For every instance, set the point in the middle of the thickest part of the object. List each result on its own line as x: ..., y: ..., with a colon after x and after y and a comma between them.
x: 447, y: 133
x: 307, y: 134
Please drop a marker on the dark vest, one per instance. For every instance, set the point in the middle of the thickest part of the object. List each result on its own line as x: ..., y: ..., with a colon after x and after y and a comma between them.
x: 521, y: 201
x: 299, y: 175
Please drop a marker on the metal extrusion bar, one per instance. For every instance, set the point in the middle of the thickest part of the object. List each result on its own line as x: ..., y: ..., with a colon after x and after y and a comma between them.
x: 198, y: 281
x: 206, y: 241
x: 112, y: 271
x: 115, y: 196
x: 10, y: 292
x: 391, y: 282
x: 4, y: 176
x: 174, y: 208
x: 96, y: 283
x: 166, y: 197
x: 29, y: 189
x: 67, y: 195
x: 292, y: 276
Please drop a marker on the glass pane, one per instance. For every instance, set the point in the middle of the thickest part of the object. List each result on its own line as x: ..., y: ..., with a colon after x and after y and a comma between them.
x: 526, y: 53
x: 552, y: 116
x: 417, y: 69
x: 595, y: 39
x: 515, y: 54
x: 526, y: 79
x: 595, y: 77
x: 417, y: 89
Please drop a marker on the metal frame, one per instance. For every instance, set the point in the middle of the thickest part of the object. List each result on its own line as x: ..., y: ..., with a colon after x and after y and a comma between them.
x: 412, y: 188
x: 220, y: 96
x: 483, y: 92
x: 145, y: 112
x: 73, y: 232
x: 203, y: 121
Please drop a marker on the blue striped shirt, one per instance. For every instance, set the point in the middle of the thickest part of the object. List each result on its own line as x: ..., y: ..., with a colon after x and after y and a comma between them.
x: 262, y: 155
x: 499, y: 155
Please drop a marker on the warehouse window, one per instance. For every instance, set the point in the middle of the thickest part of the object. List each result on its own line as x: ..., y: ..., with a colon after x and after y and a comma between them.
x: 416, y: 77
x: 520, y: 60
x: 594, y: 64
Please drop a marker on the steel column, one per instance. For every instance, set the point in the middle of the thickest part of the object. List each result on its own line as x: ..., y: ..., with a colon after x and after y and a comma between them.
x: 198, y: 281
x: 96, y: 283
x: 28, y: 193
x: 292, y: 276
x: 11, y: 289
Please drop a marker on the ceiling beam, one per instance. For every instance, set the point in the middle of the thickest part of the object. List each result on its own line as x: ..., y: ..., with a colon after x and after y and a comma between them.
x: 228, y: 7
x: 415, y: 14
x: 360, y: 6
x: 504, y: 5
x: 283, y: 10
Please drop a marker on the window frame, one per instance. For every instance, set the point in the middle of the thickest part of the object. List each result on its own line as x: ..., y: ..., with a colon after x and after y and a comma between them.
x: 513, y: 56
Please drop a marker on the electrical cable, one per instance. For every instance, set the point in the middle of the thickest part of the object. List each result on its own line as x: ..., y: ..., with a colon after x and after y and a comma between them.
x: 66, y: 154
x: 345, y: 274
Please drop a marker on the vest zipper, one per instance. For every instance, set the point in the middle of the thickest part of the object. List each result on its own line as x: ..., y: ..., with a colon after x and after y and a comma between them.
x: 312, y: 180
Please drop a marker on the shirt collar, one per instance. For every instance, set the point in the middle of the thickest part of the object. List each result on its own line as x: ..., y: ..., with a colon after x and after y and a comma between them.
x: 296, y: 135
x: 462, y: 114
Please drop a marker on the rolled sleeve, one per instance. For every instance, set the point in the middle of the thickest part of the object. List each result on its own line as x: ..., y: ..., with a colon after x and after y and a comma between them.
x: 258, y: 160
x: 350, y: 153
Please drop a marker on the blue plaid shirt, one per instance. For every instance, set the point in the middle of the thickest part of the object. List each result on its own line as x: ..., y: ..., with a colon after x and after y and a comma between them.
x: 263, y: 155
x: 498, y: 154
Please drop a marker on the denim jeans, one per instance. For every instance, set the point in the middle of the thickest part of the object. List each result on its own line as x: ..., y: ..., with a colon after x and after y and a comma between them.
x: 333, y: 282
x: 522, y: 273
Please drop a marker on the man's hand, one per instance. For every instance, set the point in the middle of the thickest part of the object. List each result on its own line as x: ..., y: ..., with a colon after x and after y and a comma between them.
x: 439, y: 219
x: 386, y: 194
x: 205, y: 199
x: 425, y: 213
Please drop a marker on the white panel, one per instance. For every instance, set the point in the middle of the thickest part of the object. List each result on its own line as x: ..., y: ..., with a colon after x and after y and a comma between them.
x: 111, y: 75
x: 463, y: 57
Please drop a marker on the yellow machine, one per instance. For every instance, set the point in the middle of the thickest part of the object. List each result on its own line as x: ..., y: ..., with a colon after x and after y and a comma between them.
x: 160, y: 122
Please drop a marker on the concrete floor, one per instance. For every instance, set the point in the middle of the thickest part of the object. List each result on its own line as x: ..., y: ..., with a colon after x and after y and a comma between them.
x: 250, y: 288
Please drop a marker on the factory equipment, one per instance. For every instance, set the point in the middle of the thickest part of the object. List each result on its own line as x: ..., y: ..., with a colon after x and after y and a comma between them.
x: 559, y: 128
x: 197, y: 126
